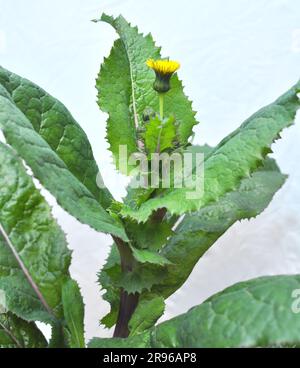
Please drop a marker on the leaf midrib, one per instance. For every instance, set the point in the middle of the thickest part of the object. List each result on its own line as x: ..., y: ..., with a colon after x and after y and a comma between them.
x: 25, y: 271
x: 11, y: 335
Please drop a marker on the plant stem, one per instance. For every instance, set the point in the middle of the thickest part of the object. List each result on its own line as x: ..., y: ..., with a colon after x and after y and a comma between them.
x: 161, y: 105
x: 128, y: 302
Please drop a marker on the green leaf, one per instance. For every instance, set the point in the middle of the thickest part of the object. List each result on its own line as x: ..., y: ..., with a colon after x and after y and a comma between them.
x: 255, y: 313
x: 160, y: 135
x: 112, y: 294
x: 111, y: 278
x: 147, y: 256
x: 138, y: 341
x: 34, y: 258
x: 235, y: 158
x: 16, y: 333
x: 50, y: 169
x: 74, y: 313
x: 110, y: 319
x: 137, y: 196
x: 200, y: 230
x: 142, y: 278
x: 22, y: 300
x: 34, y: 242
x: 114, y: 97
x: 149, y: 310
x: 26, y: 302
x: 152, y: 235
x: 206, y: 150
x: 125, y: 80
x: 55, y: 124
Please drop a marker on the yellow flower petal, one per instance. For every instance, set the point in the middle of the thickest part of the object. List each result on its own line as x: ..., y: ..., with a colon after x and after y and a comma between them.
x: 163, y: 67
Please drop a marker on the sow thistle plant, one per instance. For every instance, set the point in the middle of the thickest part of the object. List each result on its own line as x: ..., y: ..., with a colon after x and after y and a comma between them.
x: 158, y: 233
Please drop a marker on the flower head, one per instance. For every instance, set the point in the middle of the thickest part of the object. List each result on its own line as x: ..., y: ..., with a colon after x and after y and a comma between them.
x: 164, y: 69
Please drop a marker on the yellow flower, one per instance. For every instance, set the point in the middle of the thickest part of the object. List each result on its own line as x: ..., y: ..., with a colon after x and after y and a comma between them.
x: 164, y: 69
x: 163, y: 66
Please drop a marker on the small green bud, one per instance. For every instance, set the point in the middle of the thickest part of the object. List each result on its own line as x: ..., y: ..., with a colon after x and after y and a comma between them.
x: 162, y: 83
x: 148, y: 114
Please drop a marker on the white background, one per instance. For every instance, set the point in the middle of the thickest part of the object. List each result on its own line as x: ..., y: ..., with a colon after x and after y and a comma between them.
x: 236, y: 56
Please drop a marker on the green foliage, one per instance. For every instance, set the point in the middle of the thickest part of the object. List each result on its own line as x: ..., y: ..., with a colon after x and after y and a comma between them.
x: 110, y: 270
x: 147, y: 256
x: 200, y: 230
x: 152, y: 235
x: 243, y: 315
x: 138, y: 341
x: 159, y: 233
x: 47, y: 165
x: 160, y: 135
x: 125, y: 81
x: 142, y: 278
x: 54, y: 123
x: 114, y: 86
x: 151, y: 307
x: 23, y: 301
x: 16, y: 333
x: 228, y: 199
x: 35, y: 236
x: 34, y: 258
x: 74, y: 313
x: 235, y: 158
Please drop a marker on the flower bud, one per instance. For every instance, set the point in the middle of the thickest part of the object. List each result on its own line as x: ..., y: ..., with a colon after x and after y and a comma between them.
x: 164, y: 69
